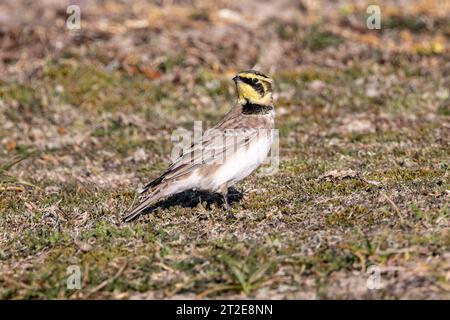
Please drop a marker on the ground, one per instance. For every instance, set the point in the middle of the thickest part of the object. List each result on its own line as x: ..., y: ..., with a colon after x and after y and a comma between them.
x: 361, y: 193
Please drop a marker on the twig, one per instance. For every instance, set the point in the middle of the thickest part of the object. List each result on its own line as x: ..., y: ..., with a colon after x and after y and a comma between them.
x: 108, y: 281
x: 207, y: 292
x: 165, y: 267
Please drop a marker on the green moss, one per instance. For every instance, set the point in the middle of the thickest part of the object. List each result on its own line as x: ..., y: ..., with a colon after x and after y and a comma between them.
x: 170, y: 62
x: 400, y: 101
x: 329, y: 188
x: 307, y: 74
x: 406, y: 174
x: 316, y: 39
x: 212, y: 84
x: 24, y: 102
x: 350, y: 216
x: 44, y: 238
x: 94, y: 89
x: 444, y: 108
x: 23, y: 94
x: 412, y: 23
x: 297, y: 232
x: 287, y: 30
x: 324, y: 262
x: 105, y: 232
x: 199, y: 15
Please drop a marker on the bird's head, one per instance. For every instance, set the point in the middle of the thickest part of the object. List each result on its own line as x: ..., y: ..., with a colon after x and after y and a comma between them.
x: 253, y: 87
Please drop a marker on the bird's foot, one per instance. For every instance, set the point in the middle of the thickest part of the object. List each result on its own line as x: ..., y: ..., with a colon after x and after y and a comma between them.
x: 230, y: 215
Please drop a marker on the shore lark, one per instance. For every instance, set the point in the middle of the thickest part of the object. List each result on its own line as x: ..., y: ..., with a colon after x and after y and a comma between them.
x: 226, y: 153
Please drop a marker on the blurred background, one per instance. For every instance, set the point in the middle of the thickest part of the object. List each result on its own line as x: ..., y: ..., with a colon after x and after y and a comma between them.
x: 86, y: 115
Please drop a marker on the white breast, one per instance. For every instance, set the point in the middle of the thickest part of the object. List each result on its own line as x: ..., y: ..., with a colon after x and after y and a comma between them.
x: 246, y: 160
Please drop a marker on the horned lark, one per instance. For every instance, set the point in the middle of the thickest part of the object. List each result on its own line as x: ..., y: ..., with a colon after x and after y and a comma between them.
x: 226, y: 153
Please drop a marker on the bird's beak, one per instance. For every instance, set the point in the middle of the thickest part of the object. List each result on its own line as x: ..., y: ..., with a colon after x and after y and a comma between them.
x: 236, y: 78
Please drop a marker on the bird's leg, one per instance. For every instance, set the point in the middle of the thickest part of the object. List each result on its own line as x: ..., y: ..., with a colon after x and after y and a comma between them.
x: 230, y: 214
x: 224, y: 192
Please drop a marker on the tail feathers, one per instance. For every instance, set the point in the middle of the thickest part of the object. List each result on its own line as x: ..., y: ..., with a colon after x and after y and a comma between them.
x: 152, y: 198
x: 152, y: 184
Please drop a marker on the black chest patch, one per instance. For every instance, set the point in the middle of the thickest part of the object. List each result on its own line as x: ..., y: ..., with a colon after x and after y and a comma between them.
x: 253, y: 108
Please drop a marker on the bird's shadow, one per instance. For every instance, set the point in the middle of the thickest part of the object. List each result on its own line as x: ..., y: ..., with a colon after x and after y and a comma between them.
x: 191, y: 199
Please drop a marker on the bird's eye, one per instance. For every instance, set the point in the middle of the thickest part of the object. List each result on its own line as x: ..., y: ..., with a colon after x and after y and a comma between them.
x: 254, y: 80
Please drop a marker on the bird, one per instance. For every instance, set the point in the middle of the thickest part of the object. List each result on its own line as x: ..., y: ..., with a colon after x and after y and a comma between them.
x: 225, y: 154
